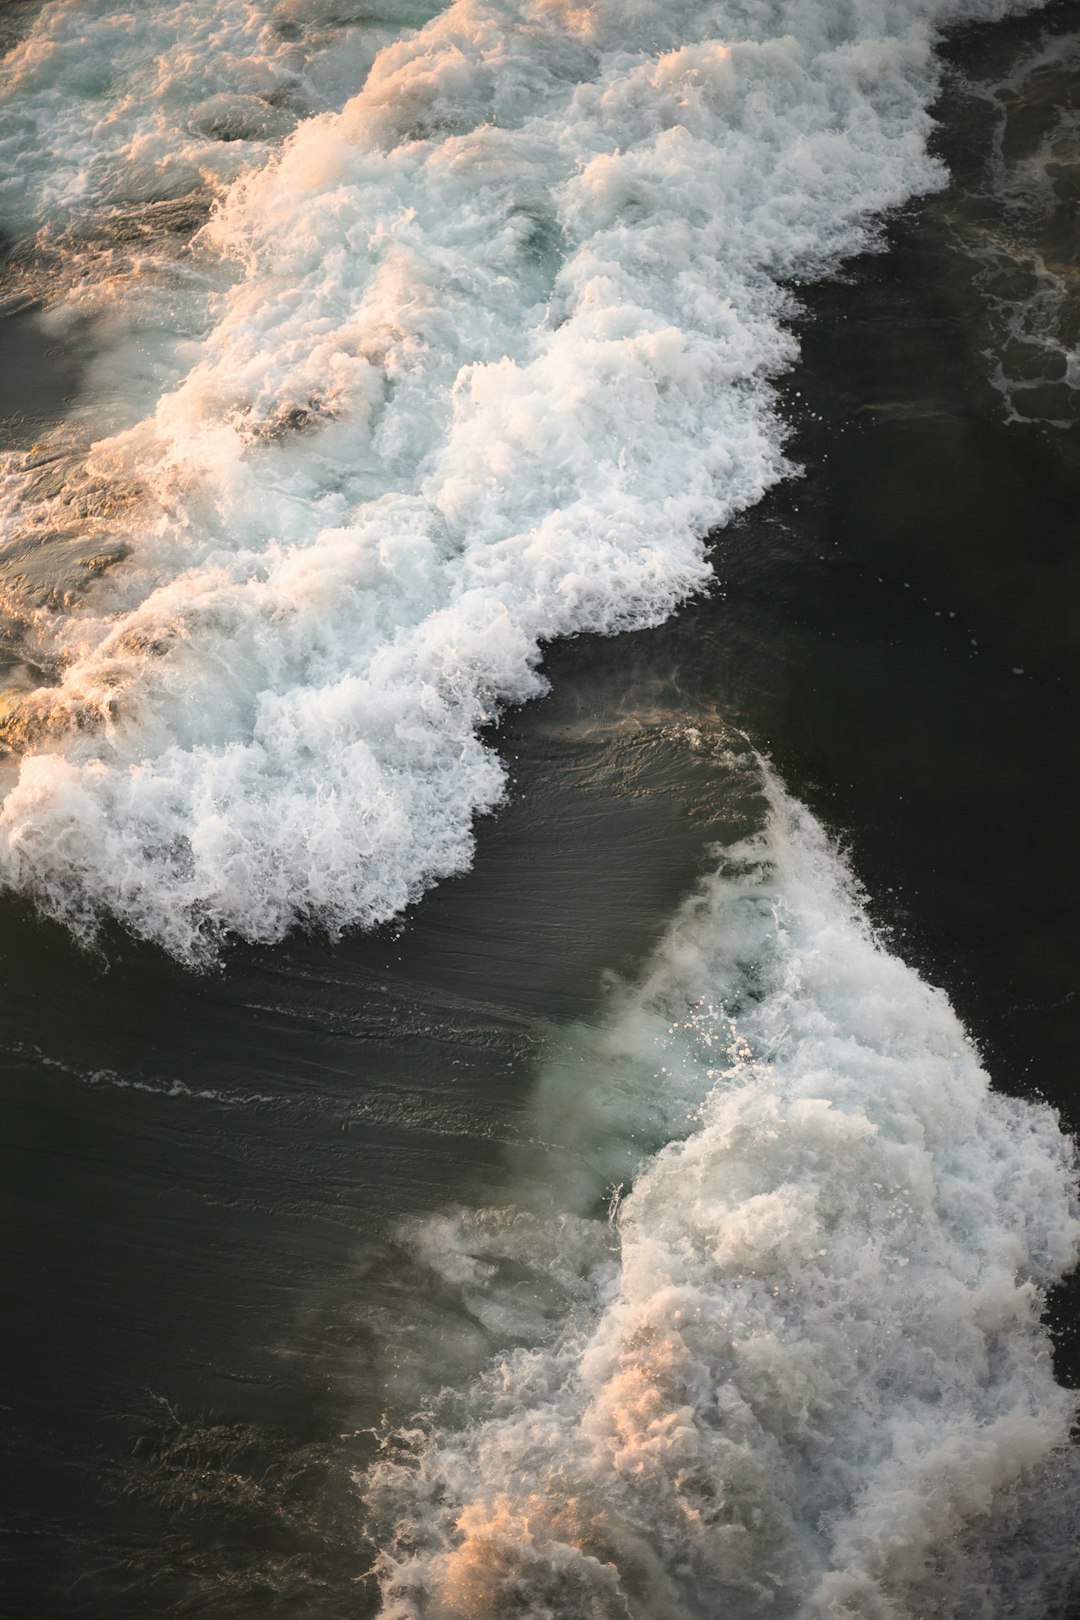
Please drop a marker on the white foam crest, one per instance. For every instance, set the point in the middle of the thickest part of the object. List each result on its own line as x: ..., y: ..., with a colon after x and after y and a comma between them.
x: 817, y: 1383
x: 498, y: 358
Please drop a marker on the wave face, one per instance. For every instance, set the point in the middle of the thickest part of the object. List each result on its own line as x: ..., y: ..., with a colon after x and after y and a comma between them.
x: 811, y: 1380
x: 472, y: 360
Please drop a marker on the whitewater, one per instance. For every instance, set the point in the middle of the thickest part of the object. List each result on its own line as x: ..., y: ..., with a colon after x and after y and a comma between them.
x: 791, y: 1362
x: 476, y: 359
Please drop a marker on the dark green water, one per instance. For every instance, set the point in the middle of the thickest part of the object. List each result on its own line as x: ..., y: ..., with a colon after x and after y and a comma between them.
x: 206, y: 1309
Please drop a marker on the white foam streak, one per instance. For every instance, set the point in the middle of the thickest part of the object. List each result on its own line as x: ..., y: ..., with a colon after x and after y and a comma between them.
x: 816, y: 1384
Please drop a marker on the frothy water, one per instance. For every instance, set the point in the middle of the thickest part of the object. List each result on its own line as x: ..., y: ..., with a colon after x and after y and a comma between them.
x: 1016, y: 220
x: 798, y: 1367
x: 476, y: 361
x: 99, y: 113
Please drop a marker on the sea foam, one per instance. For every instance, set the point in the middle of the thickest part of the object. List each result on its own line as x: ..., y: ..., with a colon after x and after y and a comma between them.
x: 812, y: 1379
x: 102, y: 106
x: 491, y: 353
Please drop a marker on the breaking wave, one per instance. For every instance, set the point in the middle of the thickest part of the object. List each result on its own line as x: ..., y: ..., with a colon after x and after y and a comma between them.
x: 800, y: 1370
x: 471, y: 360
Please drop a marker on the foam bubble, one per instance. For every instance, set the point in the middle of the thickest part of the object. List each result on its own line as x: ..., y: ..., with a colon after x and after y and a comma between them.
x: 815, y: 1381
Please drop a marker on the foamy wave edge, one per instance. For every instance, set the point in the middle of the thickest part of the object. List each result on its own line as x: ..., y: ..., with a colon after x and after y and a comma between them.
x: 814, y: 1381
x: 497, y: 358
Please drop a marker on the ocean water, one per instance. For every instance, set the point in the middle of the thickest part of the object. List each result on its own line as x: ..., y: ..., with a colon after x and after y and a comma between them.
x: 651, y: 1198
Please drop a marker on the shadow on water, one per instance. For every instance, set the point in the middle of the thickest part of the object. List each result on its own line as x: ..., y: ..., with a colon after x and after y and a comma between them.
x: 203, y: 1174
x: 41, y: 375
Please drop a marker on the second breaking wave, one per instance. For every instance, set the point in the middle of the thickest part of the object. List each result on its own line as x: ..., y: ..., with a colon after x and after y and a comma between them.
x: 801, y: 1369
